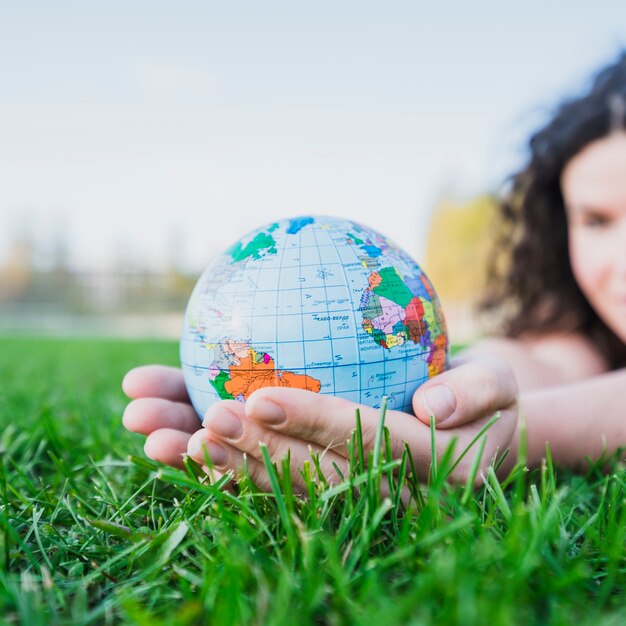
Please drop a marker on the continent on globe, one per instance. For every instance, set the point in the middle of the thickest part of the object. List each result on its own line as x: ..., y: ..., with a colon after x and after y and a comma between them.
x: 263, y: 243
x: 247, y: 370
x: 396, y: 310
x: 317, y: 303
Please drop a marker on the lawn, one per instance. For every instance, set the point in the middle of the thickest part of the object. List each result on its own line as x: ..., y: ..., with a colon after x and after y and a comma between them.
x: 94, y: 533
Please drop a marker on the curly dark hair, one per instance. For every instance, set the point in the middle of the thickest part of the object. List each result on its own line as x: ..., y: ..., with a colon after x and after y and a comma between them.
x: 534, y: 285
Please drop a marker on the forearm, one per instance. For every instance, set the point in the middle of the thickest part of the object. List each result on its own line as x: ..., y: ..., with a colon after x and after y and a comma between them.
x: 578, y: 419
x: 551, y: 361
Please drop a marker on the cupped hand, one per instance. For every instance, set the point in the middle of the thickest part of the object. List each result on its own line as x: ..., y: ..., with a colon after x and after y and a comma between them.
x: 161, y: 410
x: 462, y: 400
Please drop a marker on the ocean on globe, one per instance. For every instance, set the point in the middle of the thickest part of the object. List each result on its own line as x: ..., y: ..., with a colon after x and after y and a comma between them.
x: 317, y: 303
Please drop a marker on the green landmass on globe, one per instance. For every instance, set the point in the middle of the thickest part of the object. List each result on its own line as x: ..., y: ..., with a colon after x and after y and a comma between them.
x: 317, y: 303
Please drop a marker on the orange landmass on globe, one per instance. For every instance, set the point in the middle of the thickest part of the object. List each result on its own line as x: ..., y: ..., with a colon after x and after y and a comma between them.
x: 374, y: 280
x: 437, y: 361
x: 251, y: 373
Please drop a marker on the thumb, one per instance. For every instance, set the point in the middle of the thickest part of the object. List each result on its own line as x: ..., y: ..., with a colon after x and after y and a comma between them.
x: 475, y: 388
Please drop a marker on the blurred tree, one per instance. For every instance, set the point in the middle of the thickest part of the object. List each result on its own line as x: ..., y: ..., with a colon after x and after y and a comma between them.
x: 457, y: 249
x: 18, y: 271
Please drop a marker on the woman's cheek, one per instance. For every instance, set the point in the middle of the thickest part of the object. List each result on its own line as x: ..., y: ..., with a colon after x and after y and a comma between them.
x: 586, y: 262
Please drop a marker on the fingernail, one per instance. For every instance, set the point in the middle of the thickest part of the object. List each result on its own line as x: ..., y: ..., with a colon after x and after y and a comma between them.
x: 194, y: 445
x: 440, y: 402
x: 225, y: 425
x: 266, y: 410
x: 216, y: 453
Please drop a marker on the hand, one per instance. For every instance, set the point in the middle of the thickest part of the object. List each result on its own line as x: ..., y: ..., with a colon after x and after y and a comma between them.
x: 162, y: 410
x: 302, y: 422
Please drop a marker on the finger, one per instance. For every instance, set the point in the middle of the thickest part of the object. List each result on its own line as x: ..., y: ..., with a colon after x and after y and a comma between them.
x: 329, y: 421
x: 215, y: 475
x: 227, y: 423
x: 239, y: 431
x: 220, y: 458
x: 465, y: 393
x: 158, y: 381
x: 167, y: 446
x: 146, y: 415
x: 498, y: 441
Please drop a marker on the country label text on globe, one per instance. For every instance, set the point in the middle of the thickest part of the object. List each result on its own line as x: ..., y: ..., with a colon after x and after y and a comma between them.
x: 317, y: 303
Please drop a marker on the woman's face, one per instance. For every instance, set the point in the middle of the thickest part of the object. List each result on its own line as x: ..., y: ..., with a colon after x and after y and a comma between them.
x: 593, y: 184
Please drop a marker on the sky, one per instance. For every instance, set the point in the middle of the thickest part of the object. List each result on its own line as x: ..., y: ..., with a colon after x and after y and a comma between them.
x: 126, y: 127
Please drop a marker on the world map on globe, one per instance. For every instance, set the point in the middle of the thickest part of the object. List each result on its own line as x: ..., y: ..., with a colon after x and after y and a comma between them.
x: 317, y: 303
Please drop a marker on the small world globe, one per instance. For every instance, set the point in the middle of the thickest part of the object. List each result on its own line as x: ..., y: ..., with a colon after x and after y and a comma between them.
x: 317, y: 303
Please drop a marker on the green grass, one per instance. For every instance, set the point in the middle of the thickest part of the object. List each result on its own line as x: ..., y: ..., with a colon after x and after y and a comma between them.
x: 93, y: 533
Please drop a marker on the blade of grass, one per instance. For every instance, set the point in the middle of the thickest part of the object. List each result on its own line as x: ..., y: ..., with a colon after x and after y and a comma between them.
x: 278, y: 495
x: 433, y: 451
x: 471, y: 478
x: 379, y: 431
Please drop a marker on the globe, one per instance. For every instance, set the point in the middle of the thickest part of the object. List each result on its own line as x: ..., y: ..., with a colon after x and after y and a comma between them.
x: 317, y: 303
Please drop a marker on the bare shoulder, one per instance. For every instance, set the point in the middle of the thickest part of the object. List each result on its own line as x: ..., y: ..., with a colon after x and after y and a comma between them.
x: 546, y: 359
x: 573, y: 353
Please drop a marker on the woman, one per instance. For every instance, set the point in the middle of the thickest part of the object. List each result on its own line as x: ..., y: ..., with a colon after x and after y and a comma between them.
x: 559, y: 368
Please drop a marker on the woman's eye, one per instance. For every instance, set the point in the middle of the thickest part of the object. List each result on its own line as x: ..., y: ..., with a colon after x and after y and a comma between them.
x: 595, y: 221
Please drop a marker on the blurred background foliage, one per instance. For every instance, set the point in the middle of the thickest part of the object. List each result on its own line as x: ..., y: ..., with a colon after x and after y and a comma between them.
x: 458, y: 247
x: 43, y: 292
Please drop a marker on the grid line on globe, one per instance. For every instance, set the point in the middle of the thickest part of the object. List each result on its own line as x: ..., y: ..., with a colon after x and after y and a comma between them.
x: 317, y: 303
x: 355, y: 322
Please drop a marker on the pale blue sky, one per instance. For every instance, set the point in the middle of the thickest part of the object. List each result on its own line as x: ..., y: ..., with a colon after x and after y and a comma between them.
x: 120, y: 120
